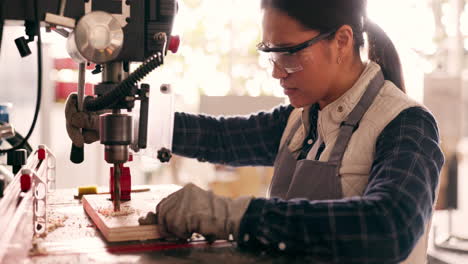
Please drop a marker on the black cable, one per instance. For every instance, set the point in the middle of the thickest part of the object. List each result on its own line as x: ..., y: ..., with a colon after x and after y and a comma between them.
x: 39, y: 83
x: 2, y: 5
x: 125, y: 87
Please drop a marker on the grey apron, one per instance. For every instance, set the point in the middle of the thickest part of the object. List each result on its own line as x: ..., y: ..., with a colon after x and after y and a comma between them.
x: 312, y: 179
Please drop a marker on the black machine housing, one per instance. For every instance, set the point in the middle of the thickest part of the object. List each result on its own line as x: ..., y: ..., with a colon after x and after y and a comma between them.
x: 147, y: 18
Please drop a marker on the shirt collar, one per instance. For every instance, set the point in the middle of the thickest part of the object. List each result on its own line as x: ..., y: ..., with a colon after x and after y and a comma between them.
x: 337, y: 111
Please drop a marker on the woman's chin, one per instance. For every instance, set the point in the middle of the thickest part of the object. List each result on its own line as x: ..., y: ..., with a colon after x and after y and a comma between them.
x: 296, y: 103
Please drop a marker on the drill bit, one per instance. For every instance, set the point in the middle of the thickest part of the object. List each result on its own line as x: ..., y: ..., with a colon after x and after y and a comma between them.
x: 116, y: 187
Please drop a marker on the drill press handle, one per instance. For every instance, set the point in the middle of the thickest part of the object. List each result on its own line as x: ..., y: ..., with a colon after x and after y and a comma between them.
x: 77, y: 153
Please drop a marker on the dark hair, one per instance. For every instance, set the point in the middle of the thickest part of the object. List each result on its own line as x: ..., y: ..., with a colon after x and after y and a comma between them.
x: 327, y: 15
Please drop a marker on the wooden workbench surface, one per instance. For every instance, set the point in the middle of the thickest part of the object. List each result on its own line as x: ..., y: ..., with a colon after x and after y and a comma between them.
x: 75, y: 239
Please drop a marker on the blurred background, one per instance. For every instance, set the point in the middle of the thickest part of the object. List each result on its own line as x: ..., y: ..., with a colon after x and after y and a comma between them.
x: 217, y: 69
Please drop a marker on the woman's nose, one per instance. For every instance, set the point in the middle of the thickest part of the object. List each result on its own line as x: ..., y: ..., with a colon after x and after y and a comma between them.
x: 278, y: 72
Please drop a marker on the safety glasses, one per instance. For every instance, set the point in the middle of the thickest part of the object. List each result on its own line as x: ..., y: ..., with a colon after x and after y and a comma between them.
x: 287, y: 58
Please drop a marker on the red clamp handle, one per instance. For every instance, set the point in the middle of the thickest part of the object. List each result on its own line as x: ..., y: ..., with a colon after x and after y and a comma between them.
x: 41, y: 154
x: 26, y: 182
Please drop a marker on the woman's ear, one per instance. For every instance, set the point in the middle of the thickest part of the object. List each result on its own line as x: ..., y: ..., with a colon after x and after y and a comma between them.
x: 344, y: 37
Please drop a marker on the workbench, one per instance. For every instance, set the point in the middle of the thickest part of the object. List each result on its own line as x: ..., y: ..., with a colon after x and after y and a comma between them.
x: 75, y: 239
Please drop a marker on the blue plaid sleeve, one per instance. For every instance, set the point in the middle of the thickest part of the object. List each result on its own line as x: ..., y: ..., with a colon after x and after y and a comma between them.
x: 382, y: 226
x: 237, y: 141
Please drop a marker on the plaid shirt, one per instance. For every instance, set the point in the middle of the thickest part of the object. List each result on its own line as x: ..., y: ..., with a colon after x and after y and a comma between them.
x: 381, y: 226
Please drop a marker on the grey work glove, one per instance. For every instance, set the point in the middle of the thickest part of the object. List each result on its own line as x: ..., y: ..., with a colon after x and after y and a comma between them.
x: 149, y: 219
x: 87, y: 121
x: 194, y: 210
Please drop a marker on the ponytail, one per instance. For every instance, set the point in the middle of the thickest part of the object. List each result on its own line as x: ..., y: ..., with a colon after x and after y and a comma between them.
x: 383, y: 52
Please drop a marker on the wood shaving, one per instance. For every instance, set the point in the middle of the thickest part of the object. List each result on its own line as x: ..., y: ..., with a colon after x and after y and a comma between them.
x: 109, y: 211
x: 54, y: 222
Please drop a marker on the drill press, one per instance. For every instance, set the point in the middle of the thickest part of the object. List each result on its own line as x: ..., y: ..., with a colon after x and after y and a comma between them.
x: 118, y: 91
x: 99, y: 37
x: 109, y: 34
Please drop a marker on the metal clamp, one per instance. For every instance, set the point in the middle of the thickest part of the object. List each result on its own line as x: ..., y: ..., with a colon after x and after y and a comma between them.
x: 39, y: 190
x: 60, y: 19
x: 43, y: 182
x: 24, y: 204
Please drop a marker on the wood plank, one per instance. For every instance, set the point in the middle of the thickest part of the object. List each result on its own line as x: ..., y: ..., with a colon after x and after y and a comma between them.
x: 124, y: 226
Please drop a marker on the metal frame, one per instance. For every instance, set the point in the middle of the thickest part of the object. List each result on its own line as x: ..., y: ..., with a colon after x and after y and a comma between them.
x: 20, y: 211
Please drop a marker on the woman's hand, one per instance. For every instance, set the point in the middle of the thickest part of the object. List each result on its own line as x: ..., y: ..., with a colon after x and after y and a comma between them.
x: 194, y: 210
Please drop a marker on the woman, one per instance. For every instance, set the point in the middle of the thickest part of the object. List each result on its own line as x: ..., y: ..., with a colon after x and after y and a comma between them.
x: 356, y: 161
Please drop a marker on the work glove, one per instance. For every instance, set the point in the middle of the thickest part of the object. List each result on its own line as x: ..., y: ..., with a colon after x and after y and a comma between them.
x: 87, y: 121
x: 194, y: 210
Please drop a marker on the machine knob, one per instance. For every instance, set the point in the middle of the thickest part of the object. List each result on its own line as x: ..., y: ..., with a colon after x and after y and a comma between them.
x: 174, y: 44
x: 164, y: 155
x: 17, y: 159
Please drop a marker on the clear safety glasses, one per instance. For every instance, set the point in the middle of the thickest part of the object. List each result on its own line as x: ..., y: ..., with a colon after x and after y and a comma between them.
x: 287, y: 58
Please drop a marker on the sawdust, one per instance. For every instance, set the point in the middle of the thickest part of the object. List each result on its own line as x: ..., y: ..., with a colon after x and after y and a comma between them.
x: 37, y: 248
x: 55, y: 221
x: 109, y: 211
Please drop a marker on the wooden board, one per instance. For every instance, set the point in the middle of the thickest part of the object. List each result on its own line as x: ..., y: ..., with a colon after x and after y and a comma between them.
x: 124, y: 226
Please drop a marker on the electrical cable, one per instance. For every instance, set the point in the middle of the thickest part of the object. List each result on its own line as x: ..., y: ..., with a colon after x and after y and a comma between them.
x: 39, y: 83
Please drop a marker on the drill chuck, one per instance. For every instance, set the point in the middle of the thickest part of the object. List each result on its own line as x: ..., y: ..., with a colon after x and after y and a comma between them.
x: 116, y: 135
